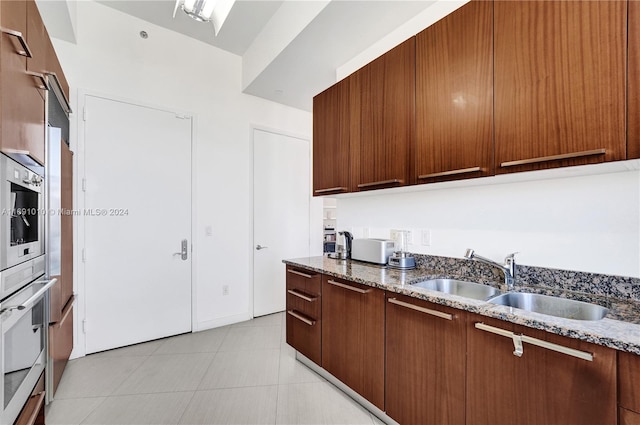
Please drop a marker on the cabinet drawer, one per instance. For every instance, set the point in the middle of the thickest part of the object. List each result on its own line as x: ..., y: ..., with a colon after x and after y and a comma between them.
x: 305, y: 281
x: 628, y: 376
x: 301, y: 301
x: 61, y: 343
x: 627, y: 417
x: 303, y: 334
x: 33, y: 410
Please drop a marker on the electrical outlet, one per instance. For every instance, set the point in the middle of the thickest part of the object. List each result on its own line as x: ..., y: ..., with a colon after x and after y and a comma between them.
x: 426, y: 237
x: 393, y: 235
x: 208, y: 230
x: 225, y: 290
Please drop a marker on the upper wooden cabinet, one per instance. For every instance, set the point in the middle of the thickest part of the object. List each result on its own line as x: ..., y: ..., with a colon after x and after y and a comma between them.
x: 331, y: 140
x: 560, y: 69
x: 37, y: 38
x: 633, y: 118
x: 382, y: 120
x: 454, y: 95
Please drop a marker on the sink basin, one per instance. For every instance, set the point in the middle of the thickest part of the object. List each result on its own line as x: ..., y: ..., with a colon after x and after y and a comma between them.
x: 477, y: 291
x: 553, y: 306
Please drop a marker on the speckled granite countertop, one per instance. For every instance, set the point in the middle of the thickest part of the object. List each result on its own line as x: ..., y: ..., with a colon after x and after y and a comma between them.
x: 620, y: 329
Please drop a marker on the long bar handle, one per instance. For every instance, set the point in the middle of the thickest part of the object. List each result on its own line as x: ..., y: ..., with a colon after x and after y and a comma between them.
x: 301, y: 295
x: 308, y: 276
x: 301, y: 318
x: 33, y: 298
x: 17, y: 34
x: 380, y: 183
x: 60, y: 93
x: 553, y: 157
x: 534, y: 341
x: 450, y: 173
x: 331, y: 189
x: 351, y: 288
x: 421, y: 309
x: 41, y: 78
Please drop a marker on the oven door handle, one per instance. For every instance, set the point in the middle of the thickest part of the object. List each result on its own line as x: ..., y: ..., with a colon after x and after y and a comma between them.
x: 33, y: 298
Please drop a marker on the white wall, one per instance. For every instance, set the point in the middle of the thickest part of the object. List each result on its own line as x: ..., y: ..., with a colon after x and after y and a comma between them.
x: 174, y: 71
x: 587, y: 223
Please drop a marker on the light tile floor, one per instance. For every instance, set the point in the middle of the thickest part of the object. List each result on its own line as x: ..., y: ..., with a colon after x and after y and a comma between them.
x: 239, y: 374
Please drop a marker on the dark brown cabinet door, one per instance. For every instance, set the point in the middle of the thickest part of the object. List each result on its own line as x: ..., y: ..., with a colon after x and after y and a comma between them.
x: 37, y: 38
x: 23, y: 126
x: 425, y: 362
x: 454, y: 95
x: 633, y: 140
x: 331, y: 140
x: 304, y: 312
x: 627, y: 417
x: 628, y: 378
x: 61, y: 343
x: 542, y: 386
x: 560, y: 69
x: 353, y: 336
x: 383, y: 120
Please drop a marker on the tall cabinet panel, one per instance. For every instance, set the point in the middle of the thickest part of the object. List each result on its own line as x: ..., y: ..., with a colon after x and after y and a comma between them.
x: 383, y: 120
x: 633, y: 117
x: 454, y: 95
x: 560, y: 69
x: 331, y: 140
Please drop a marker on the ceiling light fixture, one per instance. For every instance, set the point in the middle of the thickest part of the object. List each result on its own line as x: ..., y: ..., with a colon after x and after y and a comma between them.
x: 215, y: 11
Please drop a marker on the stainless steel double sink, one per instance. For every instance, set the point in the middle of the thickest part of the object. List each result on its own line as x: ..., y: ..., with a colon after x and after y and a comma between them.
x: 544, y: 304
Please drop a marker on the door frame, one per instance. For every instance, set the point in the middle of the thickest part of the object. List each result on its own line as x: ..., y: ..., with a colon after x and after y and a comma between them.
x: 79, y: 346
x: 252, y: 252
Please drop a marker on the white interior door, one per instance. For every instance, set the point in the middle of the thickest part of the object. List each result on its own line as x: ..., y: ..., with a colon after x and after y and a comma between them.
x: 137, y: 212
x: 281, y: 195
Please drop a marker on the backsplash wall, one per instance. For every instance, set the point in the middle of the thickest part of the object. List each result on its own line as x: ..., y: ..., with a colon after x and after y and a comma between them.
x: 587, y: 223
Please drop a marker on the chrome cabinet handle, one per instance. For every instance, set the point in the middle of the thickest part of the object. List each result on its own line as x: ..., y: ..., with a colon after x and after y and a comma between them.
x: 301, y: 318
x: 41, y: 78
x: 421, y: 309
x: 450, y: 173
x: 301, y: 295
x: 184, y: 250
x: 259, y: 247
x: 17, y: 34
x: 33, y: 298
x: 519, y: 339
x: 380, y: 183
x: 553, y: 158
x: 351, y: 288
x: 331, y: 189
x: 308, y: 276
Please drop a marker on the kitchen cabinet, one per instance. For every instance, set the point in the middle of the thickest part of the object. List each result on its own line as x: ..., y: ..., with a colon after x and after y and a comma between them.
x: 33, y: 411
x: 633, y: 112
x: 425, y: 362
x: 304, y: 312
x: 454, y: 96
x: 542, y: 386
x: 560, y: 69
x: 627, y: 417
x: 21, y: 103
x: 353, y: 317
x: 383, y: 120
x: 331, y: 140
x: 61, y: 344
x: 628, y: 378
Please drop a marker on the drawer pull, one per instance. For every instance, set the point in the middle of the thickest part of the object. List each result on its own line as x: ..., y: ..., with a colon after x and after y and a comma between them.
x: 380, y: 183
x: 301, y: 295
x: 450, y: 173
x: 421, y: 309
x: 553, y: 158
x: 17, y: 34
x: 301, y: 318
x: 331, y: 189
x: 351, y: 288
x: 519, y: 339
x: 41, y: 78
x: 308, y: 276
x: 60, y: 94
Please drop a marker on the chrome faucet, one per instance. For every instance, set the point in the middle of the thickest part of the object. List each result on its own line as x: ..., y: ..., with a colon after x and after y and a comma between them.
x: 509, y: 267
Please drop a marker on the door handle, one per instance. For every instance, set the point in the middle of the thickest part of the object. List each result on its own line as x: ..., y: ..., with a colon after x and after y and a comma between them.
x: 184, y: 253
x: 259, y: 247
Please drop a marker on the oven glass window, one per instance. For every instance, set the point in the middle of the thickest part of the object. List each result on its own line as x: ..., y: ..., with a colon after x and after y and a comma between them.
x: 23, y: 342
x: 24, y: 215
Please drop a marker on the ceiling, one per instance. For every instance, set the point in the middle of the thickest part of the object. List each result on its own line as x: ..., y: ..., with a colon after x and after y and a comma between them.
x: 306, y: 64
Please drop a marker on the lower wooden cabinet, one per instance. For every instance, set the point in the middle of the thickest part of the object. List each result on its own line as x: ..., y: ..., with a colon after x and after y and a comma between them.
x: 304, y: 313
x: 61, y: 344
x: 353, y: 318
x: 541, y: 386
x: 628, y: 390
x: 33, y: 411
x: 627, y: 417
x: 425, y: 362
